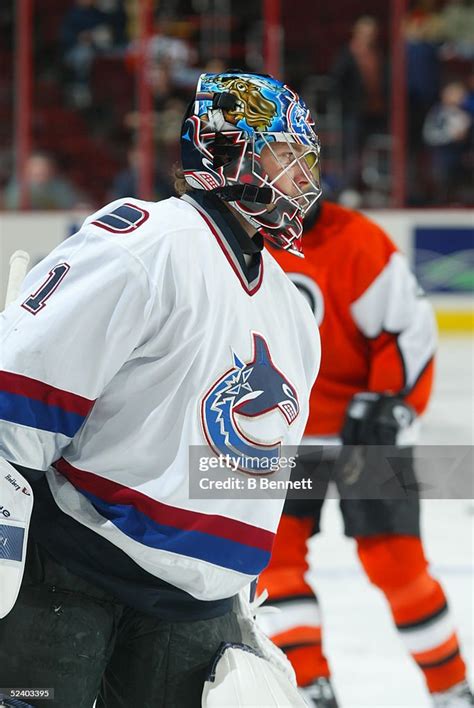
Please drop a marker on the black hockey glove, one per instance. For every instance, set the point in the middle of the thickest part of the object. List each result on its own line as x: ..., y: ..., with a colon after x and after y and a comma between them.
x: 369, y: 465
x: 376, y: 419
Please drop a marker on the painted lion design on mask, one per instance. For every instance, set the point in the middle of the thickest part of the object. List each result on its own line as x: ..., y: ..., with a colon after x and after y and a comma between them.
x: 251, y: 105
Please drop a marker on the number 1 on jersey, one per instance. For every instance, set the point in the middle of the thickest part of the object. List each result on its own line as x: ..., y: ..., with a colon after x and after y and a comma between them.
x: 37, y: 301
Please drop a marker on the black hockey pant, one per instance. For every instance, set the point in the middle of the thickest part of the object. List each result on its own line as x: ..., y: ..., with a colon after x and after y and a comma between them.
x: 69, y: 635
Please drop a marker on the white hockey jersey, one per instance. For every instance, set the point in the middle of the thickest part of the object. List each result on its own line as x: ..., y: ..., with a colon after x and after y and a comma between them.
x: 143, y: 334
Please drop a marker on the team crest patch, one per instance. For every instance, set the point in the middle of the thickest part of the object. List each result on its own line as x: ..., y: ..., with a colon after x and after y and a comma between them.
x: 250, y: 390
x: 123, y: 219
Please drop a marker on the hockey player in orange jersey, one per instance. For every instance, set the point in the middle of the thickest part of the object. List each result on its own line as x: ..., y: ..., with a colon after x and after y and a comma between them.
x: 378, y: 335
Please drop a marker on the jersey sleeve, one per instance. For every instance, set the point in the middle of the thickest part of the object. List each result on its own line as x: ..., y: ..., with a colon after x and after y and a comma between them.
x: 81, y: 313
x: 395, y: 317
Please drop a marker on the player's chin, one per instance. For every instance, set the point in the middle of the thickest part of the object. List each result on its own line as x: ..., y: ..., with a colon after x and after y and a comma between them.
x: 299, y: 191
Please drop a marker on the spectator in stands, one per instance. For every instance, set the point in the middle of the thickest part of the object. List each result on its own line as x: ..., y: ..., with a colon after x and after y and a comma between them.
x: 170, y: 56
x: 360, y: 81
x: 446, y: 132
x: 423, y: 79
x: 468, y: 103
x: 117, y: 21
x: 167, y: 115
x: 468, y: 106
x: 423, y: 73
x: 46, y: 189
x: 159, y: 80
x: 425, y: 18
x: 125, y: 183
x: 85, y: 31
x: 457, y: 20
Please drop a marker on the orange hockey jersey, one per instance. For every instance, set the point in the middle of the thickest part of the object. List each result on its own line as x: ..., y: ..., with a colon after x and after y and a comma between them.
x: 378, y: 331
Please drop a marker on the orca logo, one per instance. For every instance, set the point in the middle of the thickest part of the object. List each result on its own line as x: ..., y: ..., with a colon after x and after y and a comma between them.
x: 248, y: 389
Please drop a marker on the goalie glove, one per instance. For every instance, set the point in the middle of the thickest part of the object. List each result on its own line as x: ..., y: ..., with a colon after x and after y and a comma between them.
x: 241, y: 678
x: 254, y: 672
x: 377, y: 419
x: 16, y: 505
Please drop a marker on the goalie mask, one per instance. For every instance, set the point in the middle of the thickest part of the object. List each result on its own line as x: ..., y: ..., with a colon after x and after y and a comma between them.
x: 249, y: 139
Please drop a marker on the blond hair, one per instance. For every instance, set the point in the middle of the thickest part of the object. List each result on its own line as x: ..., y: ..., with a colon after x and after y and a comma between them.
x: 180, y: 184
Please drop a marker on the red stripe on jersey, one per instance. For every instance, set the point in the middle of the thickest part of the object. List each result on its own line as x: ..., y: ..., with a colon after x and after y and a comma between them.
x: 40, y: 391
x: 161, y: 513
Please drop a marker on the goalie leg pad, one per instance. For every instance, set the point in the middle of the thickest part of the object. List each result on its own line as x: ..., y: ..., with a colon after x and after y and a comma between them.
x: 16, y: 505
x: 241, y: 678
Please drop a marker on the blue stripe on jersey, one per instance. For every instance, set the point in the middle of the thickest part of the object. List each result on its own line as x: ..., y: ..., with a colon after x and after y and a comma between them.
x: 196, y: 544
x: 130, y: 213
x: 35, y: 414
x: 114, y: 222
x: 121, y: 218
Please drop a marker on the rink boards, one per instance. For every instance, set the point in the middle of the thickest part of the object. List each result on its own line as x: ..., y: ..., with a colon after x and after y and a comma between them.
x: 438, y: 243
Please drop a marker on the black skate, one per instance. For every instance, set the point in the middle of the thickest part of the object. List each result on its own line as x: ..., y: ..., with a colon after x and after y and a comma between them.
x: 319, y: 694
x: 458, y: 696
